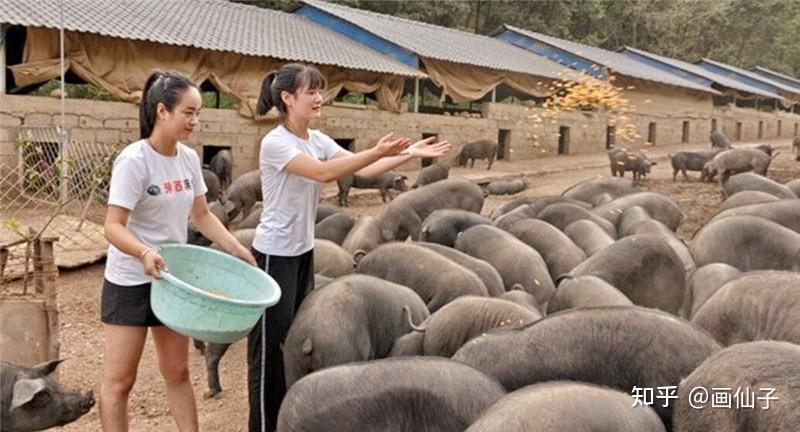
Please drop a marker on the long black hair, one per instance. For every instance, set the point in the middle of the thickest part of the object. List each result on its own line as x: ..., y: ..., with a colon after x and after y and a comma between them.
x: 288, y: 78
x: 164, y: 87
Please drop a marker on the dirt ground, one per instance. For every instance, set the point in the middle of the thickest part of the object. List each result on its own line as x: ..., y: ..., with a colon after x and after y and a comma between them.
x: 79, y: 291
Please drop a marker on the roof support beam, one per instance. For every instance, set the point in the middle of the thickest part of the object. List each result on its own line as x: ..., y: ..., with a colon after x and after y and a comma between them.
x: 2, y: 59
x: 65, y: 169
x: 416, y: 95
x: 494, y: 94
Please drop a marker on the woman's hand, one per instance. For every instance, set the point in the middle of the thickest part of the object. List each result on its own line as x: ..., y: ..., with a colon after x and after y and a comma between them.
x: 386, y: 146
x: 428, y: 148
x: 153, y: 263
x: 242, y: 253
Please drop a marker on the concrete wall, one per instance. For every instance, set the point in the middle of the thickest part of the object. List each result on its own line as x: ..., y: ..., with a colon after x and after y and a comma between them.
x: 25, y: 339
x: 117, y: 123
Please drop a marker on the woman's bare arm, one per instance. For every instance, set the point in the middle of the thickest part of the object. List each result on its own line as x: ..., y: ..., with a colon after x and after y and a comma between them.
x: 116, y: 232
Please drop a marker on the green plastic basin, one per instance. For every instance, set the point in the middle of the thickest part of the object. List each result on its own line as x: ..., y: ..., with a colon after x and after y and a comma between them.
x: 209, y: 295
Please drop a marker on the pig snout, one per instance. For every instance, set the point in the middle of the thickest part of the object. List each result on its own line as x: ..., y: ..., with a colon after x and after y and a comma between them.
x: 88, y: 401
x: 77, y: 404
x: 64, y: 408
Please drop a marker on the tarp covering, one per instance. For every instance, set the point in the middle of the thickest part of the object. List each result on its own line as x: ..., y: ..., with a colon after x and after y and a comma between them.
x: 121, y: 67
x: 464, y: 83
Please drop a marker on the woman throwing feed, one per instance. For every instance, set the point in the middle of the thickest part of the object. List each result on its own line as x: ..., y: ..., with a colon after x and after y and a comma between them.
x: 295, y: 162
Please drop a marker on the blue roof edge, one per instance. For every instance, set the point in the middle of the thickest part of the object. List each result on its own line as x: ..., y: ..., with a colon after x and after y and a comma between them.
x: 357, y: 34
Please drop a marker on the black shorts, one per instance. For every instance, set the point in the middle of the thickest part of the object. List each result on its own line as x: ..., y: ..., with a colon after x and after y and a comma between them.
x: 127, y: 305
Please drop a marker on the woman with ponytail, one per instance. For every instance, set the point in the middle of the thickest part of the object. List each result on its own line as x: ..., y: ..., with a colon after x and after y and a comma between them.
x: 156, y: 187
x: 295, y: 162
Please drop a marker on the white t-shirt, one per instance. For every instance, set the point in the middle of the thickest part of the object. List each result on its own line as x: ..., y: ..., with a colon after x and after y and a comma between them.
x: 290, y: 201
x: 159, y: 191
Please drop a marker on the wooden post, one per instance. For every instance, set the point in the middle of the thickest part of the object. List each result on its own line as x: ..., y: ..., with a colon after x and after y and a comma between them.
x: 494, y: 94
x: 3, y: 261
x: 44, y: 259
x: 38, y: 269
x: 416, y: 95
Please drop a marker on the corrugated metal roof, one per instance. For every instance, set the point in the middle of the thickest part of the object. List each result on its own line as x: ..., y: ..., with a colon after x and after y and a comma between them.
x: 767, y: 72
x: 751, y: 75
x: 442, y: 43
x: 210, y: 24
x: 705, y: 73
x: 620, y: 63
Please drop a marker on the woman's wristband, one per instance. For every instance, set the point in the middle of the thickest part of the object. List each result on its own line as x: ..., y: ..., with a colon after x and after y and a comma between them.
x: 144, y: 253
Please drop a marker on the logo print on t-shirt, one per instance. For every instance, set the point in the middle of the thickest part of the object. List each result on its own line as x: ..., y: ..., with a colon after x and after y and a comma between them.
x: 153, y: 190
x: 177, y: 186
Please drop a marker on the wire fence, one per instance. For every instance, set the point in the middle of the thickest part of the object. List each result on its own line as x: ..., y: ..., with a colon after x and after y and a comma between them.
x: 58, y: 188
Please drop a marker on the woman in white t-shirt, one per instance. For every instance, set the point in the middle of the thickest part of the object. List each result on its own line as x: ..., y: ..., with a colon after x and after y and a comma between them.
x: 295, y: 162
x: 156, y: 186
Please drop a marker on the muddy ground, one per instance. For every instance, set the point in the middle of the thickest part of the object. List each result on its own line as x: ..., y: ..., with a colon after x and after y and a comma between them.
x: 79, y: 295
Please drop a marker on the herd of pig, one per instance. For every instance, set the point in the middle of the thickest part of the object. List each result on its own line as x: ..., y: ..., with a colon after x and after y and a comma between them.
x: 723, y: 160
x: 544, y: 314
x: 567, y: 300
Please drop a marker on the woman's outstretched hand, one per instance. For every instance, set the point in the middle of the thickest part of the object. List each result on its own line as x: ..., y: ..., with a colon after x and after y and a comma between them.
x: 388, y: 147
x: 428, y: 148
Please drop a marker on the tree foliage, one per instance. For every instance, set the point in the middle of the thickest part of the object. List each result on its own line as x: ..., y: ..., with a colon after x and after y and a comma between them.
x: 744, y: 33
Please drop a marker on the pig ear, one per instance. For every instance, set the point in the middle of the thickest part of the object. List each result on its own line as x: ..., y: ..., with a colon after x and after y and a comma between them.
x: 25, y: 390
x: 358, y: 255
x: 46, y: 368
x: 560, y: 278
x: 308, y: 346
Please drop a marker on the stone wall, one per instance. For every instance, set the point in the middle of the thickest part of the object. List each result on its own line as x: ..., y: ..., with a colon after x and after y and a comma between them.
x: 666, y: 108
x: 677, y: 115
x: 117, y: 123
x: 731, y: 119
x: 366, y: 125
x: 530, y: 138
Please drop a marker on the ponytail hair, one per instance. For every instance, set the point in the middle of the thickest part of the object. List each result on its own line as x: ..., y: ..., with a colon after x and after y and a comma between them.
x: 265, y: 102
x: 288, y: 78
x: 161, y: 87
